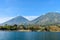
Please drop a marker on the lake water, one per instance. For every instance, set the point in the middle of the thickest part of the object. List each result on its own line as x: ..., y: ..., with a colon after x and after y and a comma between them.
x: 29, y: 35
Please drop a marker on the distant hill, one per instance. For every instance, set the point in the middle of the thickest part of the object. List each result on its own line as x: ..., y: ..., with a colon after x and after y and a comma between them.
x: 17, y: 20
x: 48, y: 18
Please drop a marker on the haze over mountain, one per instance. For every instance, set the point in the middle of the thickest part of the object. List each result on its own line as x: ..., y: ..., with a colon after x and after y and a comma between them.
x: 17, y: 20
x: 48, y: 18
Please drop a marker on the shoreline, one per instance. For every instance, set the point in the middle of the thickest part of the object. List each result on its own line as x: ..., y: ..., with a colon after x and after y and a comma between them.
x: 27, y: 31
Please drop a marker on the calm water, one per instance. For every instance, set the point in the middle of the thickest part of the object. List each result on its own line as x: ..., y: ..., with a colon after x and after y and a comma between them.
x: 29, y: 36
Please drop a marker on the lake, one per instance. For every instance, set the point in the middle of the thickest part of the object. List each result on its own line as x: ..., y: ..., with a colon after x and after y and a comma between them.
x: 5, y: 35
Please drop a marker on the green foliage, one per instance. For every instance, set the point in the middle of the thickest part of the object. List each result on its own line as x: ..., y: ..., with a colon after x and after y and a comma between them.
x: 39, y: 28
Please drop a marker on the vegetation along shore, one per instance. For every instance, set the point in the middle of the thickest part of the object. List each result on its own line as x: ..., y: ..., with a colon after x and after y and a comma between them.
x: 29, y: 28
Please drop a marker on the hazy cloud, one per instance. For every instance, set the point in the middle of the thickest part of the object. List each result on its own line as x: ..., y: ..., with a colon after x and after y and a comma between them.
x: 5, y: 19
x: 30, y: 17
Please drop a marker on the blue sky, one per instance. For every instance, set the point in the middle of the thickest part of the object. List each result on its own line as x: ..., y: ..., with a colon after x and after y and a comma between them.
x: 12, y: 8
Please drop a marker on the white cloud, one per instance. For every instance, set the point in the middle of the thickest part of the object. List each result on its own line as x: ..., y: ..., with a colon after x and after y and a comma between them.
x: 5, y: 19
x: 30, y: 17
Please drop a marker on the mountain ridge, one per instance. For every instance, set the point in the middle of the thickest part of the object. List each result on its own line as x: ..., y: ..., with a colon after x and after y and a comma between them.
x: 48, y: 18
x: 17, y: 20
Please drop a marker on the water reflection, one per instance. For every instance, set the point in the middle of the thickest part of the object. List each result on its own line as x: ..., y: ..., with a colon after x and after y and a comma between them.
x: 7, y: 35
x: 29, y: 35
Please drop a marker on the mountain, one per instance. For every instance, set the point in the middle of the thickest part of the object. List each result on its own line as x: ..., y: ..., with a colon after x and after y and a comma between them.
x: 48, y: 18
x: 17, y: 20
